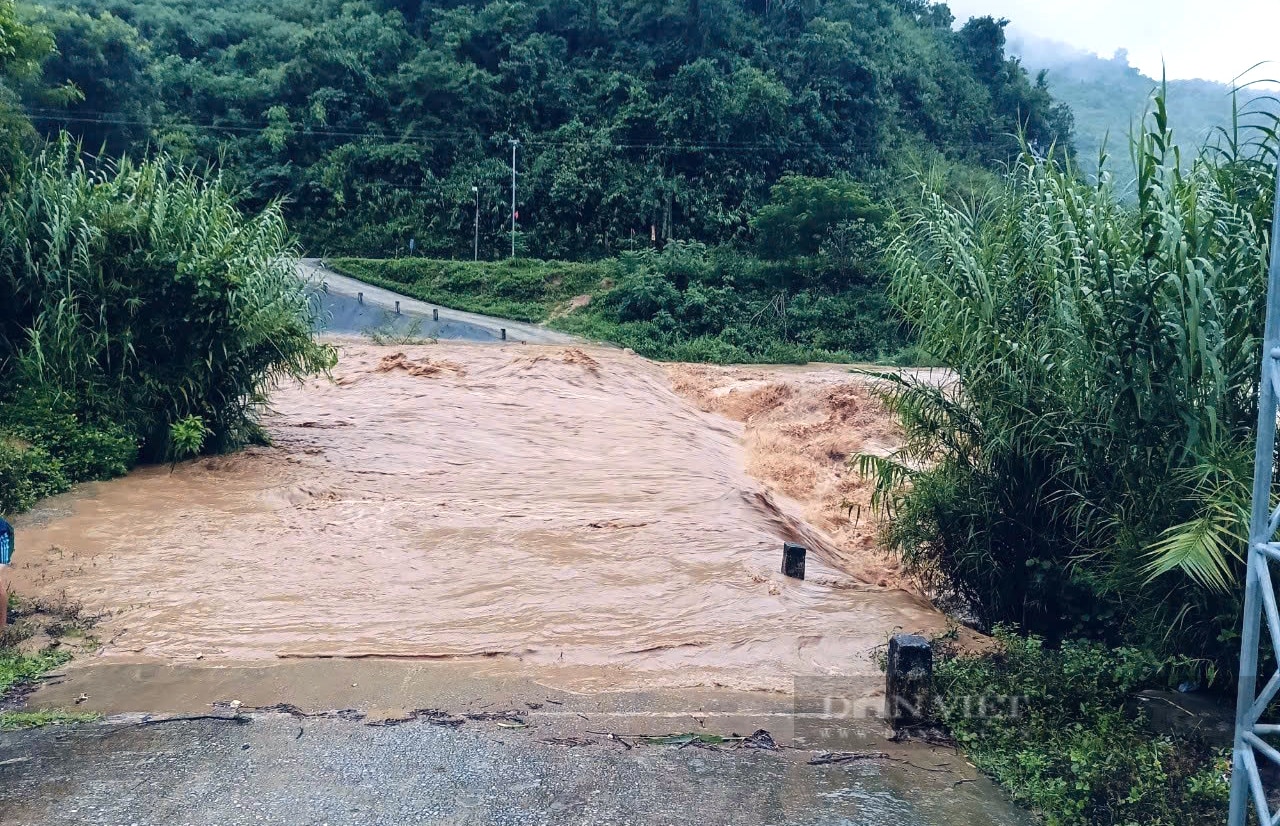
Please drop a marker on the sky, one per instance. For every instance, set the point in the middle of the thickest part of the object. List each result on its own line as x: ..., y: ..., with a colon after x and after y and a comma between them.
x: 1210, y: 39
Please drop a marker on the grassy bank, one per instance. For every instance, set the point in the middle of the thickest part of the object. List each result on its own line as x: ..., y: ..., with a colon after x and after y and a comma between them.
x: 684, y: 303
x: 520, y: 289
x: 40, y: 638
x: 1073, y: 747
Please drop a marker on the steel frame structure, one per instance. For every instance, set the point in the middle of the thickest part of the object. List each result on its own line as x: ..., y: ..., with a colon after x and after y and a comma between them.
x: 1247, y: 788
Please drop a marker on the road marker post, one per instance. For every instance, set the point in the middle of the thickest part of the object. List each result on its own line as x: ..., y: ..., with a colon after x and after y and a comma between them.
x: 793, y: 560
x: 909, y: 681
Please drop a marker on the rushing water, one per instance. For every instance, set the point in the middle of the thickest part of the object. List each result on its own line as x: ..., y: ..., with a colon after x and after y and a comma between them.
x: 560, y: 510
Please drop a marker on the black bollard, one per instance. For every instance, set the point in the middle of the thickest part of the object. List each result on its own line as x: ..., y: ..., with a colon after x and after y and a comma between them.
x: 360, y: 297
x: 504, y: 333
x: 909, y: 681
x: 793, y: 560
x: 397, y: 308
x: 435, y: 314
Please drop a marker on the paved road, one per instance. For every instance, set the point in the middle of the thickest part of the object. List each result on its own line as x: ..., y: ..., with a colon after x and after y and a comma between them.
x: 278, y: 769
x: 378, y: 309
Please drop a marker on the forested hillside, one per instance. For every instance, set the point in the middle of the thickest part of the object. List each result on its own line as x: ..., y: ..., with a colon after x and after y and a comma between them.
x: 1107, y: 98
x: 637, y: 120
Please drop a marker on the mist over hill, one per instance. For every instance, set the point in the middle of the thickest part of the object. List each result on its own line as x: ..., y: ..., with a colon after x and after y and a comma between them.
x: 1107, y: 96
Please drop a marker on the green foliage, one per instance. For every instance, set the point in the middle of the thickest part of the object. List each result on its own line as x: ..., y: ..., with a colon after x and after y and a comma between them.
x: 802, y: 213
x: 22, y: 49
x: 683, y: 303
x: 105, y: 61
x: 16, y: 668
x: 14, y: 720
x: 141, y: 317
x: 27, y: 474
x: 186, y: 438
x: 1088, y: 471
x: 46, y: 445
x: 519, y: 288
x: 1072, y: 751
x: 374, y: 119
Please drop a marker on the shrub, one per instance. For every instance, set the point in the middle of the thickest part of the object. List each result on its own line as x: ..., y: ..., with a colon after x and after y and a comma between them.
x: 1099, y: 436
x: 1073, y: 751
x: 133, y: 298
x: 27, y: 474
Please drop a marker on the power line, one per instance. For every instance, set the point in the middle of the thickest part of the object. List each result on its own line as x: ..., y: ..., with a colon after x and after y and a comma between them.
x: 419, y: 136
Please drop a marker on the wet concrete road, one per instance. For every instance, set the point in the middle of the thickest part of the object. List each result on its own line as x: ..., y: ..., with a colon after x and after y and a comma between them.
x: 375, y: 309
x: 278, y: 769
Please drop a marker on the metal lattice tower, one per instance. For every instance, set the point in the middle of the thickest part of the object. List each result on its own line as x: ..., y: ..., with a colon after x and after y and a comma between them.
x: 1251, y: 743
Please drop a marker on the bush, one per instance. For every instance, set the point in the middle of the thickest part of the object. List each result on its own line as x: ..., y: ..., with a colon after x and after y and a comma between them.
x: 82, y: 450
x: 27, y: 474
x: 1073, y: 751
x: 1088, y: 474
x: 802, y: 213
x: 132, y: 298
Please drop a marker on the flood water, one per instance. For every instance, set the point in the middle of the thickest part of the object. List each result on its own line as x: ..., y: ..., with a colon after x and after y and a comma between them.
x: 559, y: 511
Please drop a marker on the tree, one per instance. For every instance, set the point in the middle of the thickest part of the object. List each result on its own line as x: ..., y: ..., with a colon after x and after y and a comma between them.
x: 105, y: 60
x: 22, y: 48
x: 367, y: 117
x: 802, y: 212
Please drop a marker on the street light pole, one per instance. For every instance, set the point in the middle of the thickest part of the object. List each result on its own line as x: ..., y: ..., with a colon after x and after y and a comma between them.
x: 476, y: 191
x: 514, y: 144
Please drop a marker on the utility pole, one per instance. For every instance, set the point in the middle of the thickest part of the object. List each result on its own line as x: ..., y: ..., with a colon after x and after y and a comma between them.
x: 475, y: 190
x: 514, y: 144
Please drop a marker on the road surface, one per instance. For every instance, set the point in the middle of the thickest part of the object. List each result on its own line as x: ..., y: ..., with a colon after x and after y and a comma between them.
x: 281, y: 769
x: 347, y: 313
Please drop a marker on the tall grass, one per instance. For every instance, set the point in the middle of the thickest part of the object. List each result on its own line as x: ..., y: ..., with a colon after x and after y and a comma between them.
x: 1089, y: 470
x: 137, y: 297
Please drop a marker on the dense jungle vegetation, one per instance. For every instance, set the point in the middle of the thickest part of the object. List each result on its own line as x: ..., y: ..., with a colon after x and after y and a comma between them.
x: 812, y: 288
x: 374, y: 119
x: 376, y: 122
x: 143, y: 316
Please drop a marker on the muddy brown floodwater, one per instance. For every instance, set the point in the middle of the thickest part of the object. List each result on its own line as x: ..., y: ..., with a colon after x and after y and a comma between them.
x: 562, y: 513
